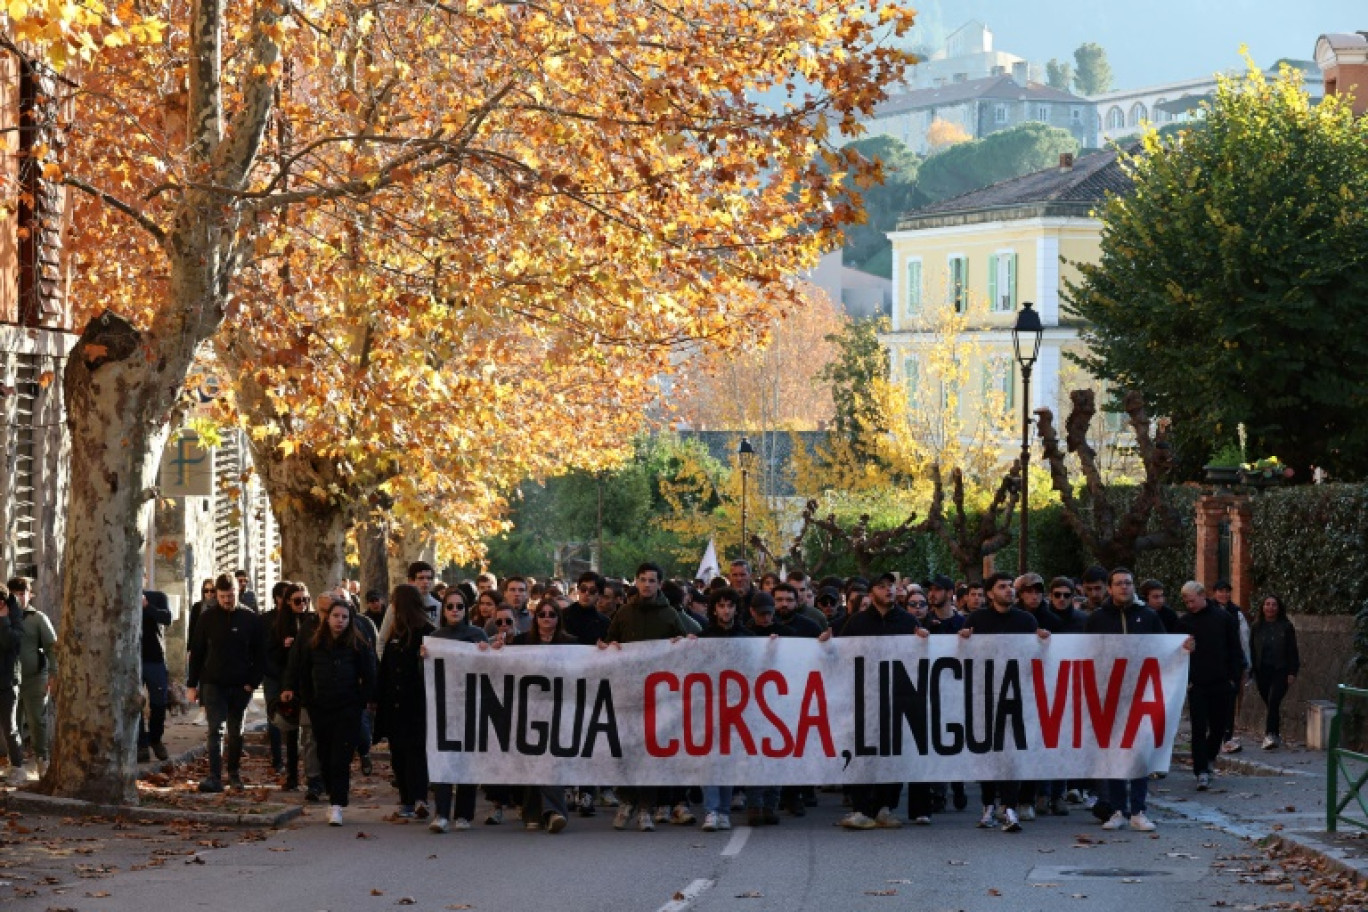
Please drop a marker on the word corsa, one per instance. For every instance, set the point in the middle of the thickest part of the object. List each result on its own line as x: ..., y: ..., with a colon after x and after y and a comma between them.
x: 793, y: 712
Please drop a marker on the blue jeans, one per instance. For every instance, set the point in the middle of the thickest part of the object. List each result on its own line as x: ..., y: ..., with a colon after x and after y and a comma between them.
x: 717, y: 799
x: 1139, y: 790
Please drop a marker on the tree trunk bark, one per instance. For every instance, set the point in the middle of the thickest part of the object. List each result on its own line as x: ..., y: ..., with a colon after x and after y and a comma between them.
x: 372, y: 547
x: 118, y: 415
x: 313, y: 528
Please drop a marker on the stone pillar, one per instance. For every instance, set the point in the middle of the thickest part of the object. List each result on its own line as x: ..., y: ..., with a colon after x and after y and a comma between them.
x: 1241, y: 516
x: 1211, y: 512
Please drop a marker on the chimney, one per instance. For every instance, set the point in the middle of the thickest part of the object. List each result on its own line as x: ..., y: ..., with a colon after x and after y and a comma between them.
x: 1020, y: 72
x: 1065, y: 161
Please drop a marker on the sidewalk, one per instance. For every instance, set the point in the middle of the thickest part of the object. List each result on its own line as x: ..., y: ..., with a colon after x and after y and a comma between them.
x: 1268, y: 796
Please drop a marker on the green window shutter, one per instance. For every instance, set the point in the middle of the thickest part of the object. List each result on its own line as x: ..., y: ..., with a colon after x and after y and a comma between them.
x: 1011, y: 293
x: 992, y: 282
x: 914, y: 289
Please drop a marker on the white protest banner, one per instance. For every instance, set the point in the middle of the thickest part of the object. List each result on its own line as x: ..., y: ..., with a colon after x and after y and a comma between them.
x: 797, y: 711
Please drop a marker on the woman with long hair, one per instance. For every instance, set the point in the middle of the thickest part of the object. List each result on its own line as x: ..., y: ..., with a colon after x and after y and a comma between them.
x: 334, y: 674
x: 293, y: 621
x: 454, y: 626
x: 1276, y: 662
x: 544, y: 805
x: 402, y: 713
x: 486, y: 605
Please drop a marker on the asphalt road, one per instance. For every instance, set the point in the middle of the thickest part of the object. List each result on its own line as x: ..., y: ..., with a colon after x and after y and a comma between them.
x: 375, y: 863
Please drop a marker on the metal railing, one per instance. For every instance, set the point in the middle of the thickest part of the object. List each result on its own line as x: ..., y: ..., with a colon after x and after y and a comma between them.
x: 1339, y: 759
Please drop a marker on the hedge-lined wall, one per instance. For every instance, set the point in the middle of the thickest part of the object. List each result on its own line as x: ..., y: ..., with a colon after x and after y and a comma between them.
x: 1310, y: 546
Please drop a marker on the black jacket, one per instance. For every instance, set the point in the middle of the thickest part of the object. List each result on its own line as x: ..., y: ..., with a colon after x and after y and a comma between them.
x: 11, y: 637
x: 331, y: 679
x: 1218, y: 658
x: 586, y: 625
x: 462, y: 633
x: 229, y: 649
x: 1137, y: 618
x: 871, y: 622
x: 934, y: 624
x: 156, y: 617
x: 1044, y: 617
x: 1273, y: 646
x: 293, y: 627
x: 990, y: 620
x: 800, y: 625
x: 401, y: 702
x: 713, y: 632
x: 1070, y: 620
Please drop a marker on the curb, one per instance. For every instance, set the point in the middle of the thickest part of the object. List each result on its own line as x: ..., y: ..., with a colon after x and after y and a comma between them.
x: 1293, y: 845
x: 47, y: 805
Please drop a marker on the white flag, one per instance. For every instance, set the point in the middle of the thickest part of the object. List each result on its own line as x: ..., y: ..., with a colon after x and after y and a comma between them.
x: 708, y: 567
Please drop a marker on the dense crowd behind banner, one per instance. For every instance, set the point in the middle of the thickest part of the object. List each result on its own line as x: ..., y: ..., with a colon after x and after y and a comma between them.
x: 796, y: 711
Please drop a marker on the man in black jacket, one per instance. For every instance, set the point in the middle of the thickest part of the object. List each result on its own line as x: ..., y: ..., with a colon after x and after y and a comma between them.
x: 229, y: 657
x: 874, y: 805
x: 1217, y: 665
x: 156, y: 617
x: 11, y: 638
x: 1121, y: 613
x: 1000, y: 617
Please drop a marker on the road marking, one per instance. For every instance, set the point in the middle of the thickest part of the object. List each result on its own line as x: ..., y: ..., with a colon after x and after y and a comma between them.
x: 687, y: 895
x: 737, y: 842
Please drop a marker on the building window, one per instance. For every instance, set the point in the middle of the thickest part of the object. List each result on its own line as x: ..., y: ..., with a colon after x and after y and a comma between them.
x: 1116, y: 119
x: 957, y: 284
x: 911, y: 374
x: 1000, y: 113
x: 1076, y: 115
x: 1159, y: 113
x: 999, y: 386
x: 1002, y: 277
x: 912, y: 293
x: 1137, y: 114
x: 1043, y: 113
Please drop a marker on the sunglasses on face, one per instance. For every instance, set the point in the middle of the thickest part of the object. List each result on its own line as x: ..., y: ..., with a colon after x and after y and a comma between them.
x: 917, y: 604
x: 503, y: 622
x: 546, y: 614
x: 299, y: 600
x: 454, y: 606
x: 1061, y: 595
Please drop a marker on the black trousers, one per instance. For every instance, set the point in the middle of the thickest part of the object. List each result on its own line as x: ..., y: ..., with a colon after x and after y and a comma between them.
x: 1272, y: 684
x: 336, y: 731
x: 1209, y: 709
x: 408, y: 756
x: 463, y: 807
x: 1003, y: 793
x: 869, y: 799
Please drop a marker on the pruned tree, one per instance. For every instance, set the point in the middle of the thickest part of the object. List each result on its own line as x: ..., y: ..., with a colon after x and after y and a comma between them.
x: 866, y: 545
x: 970, y: 542
x: 1112, y: 536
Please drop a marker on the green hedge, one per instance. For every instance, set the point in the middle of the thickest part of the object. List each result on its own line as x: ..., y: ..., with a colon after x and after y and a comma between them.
x: 1310, y: 546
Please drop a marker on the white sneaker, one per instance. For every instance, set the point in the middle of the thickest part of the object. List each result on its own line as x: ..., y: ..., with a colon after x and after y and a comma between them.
x: 1115, y: 822
x: 1026, y: 811
x: 335, y: 815
x: 1142, y: 823
x: 922, y: 821
x: 17, y: 775
x: 1233, y: 746
x: 460, y: 823
x: 439, y: 825
x: 608, y: 798
x: 857, y: 821
x: 724, y: 821
x: 710, y: 822
x: 1270, y: 742
x: 645, y: 823
x: 622, y: 817
x: 989, y: 818
x: 887, y: 820
x: 681, y: 815
x: 1013, y: 823
x: 662, y: 814
x: 1073, y: 796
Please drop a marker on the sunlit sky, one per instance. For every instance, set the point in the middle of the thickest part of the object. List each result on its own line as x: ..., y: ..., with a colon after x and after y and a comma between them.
x: 1153, y: 41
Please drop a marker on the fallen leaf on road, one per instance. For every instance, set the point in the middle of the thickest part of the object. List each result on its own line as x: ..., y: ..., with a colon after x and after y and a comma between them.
x: 1291, y: 809
x: 1044, y: 884
x: 679, y: 896
x: 99, y: 894
x: 1044, y: 851
x: 460, y: 906
x: 406, y: 901
x: 993, y: 891
x: 375, y: 892
x: 361, y: 834
x: 901, y: 880
x: 958, y: 863
x: 1130, y: 880
x: 750, y: 894
x: 881, y: 892
x: 1181, y: 855
x: 194, y: 859
x: 1078, y: 895
x: 1285, y: 888
x: 281, y: 849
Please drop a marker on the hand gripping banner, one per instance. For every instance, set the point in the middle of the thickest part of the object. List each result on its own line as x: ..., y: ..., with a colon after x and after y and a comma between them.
x: 800, y: 712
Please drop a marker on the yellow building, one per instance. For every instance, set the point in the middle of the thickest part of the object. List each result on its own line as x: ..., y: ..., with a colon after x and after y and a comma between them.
x: 962, y: 268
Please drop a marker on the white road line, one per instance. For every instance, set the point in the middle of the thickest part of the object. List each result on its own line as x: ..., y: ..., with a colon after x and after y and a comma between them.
x: 686, y: 896
x: 737, y: 842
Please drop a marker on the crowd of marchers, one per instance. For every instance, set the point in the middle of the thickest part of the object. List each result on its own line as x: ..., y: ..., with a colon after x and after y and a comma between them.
x: 339, y: 673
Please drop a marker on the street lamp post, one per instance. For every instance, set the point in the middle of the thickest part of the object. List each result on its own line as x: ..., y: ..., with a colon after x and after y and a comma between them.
x: 1026, y: 344
x: 745, y: 455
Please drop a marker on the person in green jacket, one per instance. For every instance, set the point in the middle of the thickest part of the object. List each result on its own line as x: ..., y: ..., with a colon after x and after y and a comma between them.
x: 37, y: 668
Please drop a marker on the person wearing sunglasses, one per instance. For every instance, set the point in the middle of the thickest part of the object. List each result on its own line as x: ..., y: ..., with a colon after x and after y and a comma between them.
x: 543, y: 805
x: 294, y: 621
x: 206, y: 601
x: 454, y: 803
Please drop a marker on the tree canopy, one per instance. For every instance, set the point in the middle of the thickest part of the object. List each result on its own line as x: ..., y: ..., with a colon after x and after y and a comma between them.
x: 1092, y: 72
x: 883, y: 202
x: 1008, y: 153
x: 1231, y: 282
x: 1059, y: 74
